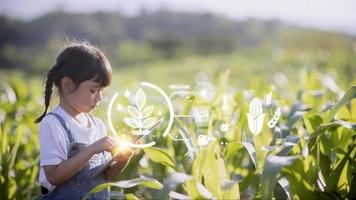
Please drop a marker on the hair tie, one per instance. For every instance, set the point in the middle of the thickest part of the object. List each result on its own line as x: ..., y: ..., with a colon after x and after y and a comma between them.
x: 53, y: 73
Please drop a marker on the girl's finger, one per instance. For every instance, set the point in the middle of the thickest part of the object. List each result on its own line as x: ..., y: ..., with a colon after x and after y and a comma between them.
x: 110, y: 148
x: 112, y: 143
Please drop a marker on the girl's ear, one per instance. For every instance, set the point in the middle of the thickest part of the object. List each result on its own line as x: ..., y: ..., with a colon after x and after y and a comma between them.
x: 67, y: 85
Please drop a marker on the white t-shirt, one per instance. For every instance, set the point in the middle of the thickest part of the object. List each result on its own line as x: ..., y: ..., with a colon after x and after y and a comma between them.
x: 54, y: 141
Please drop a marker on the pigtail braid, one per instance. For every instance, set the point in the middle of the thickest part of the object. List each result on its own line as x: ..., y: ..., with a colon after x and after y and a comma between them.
x: 48, y: 91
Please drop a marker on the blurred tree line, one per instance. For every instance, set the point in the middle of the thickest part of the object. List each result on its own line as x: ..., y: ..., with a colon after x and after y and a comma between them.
x: 32, y: 45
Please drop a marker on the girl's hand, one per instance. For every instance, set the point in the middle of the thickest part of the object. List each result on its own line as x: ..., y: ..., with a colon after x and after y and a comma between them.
x: 124, y: 155
x: 104, y: 144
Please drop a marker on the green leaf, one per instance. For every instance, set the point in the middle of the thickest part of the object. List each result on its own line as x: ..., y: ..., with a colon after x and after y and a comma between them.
x: 272, y: 167
x: 252, y: 179
x: 148, y: 182
x: 346, y: 137
x: 313, y: 122
x: 230, y: 189
x: 346, y: 124
x: 186, y: 135
x: 159, y: 156
x: 131, y: 197
x: 231, y: 149
x: 352, y: 192
x: 252, y: 152
x: 4, y: 141
x: 327, y: 126
x: 349, y: 94
x: 197, y: 191
x: 214, y: 169
x: 171, y: 183
x: 294, y: 118
x: 192, y: 189
x: 19, y: 133
x: 98, y: 189
x: 210, y: 167
x: 290, y: 142
x: 282, y: 190
x: 9, y: 92
x: 176, y: 195
x: 331, y: 184
x: 302, y: 176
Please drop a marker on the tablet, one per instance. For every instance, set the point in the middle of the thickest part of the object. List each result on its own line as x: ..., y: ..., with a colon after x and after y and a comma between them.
x: 101, y: 169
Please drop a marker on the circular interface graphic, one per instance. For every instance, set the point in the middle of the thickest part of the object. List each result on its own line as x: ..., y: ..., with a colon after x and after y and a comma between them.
x: 138, y: 115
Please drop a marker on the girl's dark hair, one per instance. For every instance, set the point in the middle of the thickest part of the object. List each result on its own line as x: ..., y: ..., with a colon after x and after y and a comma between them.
x: 79, y: 62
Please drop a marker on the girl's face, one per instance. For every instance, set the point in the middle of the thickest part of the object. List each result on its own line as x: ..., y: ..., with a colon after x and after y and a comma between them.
x: 86, y: 97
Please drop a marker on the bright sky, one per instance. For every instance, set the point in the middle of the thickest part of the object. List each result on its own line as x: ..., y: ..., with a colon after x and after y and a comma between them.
x: 325, y: 14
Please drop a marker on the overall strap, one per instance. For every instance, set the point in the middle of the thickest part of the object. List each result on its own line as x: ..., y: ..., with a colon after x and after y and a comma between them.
x: 92, y: 119
x: 66, y: 128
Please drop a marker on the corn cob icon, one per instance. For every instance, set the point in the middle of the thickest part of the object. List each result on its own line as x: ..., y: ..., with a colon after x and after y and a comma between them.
x: 255, y: 116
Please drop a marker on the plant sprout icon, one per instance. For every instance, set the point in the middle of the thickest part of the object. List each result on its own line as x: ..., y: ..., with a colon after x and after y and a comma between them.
x: 277, y: 114
x: 140, y: 115
x: 255, y: 116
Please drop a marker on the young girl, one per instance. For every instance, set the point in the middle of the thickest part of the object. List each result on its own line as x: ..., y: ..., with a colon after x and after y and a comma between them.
x: 73, y: 143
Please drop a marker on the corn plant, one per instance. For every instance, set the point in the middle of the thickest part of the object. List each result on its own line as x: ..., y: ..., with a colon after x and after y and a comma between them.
x: 304, y: 150
x: 19, y: 149
x: 310, y: 155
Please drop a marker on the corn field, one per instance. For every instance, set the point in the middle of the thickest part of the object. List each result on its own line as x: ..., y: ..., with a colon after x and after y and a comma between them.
x: 305, y: 149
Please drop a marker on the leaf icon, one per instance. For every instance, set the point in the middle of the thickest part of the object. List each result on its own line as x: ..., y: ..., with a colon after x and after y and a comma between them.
x: 132, y: 122
x: 147, y: 112
x: 134, y: 112
x: 148, y: 122
x: 139, y: 113
x: 140, y: 99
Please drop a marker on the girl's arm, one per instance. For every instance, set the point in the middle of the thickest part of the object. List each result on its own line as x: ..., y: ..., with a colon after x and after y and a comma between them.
x: 58, y: 174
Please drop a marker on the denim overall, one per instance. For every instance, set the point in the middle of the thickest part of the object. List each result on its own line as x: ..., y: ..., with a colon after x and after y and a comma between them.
x: 81, y: 183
